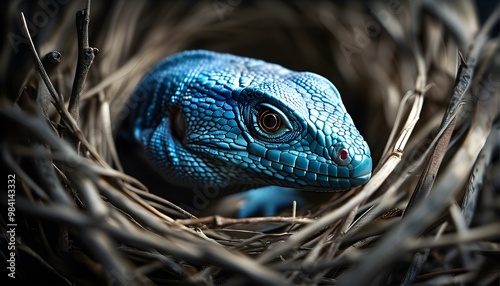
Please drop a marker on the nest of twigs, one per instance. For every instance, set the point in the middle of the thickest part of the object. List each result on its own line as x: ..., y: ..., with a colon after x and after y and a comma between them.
x: 420, y: 79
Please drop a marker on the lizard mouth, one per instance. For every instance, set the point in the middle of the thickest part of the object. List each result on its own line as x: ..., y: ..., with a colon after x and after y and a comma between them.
x: 363, y: 169
x: 323, y: 179
x: 294, y: 170
x: 348, y: 179
x: 360, y: 180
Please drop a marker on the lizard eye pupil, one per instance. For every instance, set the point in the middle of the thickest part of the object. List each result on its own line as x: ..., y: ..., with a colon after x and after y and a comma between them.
x: 266, y: 122
x: 269, y: 121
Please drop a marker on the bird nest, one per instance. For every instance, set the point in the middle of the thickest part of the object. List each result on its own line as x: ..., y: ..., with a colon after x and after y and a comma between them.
x: 419, y: 78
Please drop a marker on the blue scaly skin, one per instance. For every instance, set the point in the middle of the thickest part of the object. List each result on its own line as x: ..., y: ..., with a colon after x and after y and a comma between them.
x: 206, y: 118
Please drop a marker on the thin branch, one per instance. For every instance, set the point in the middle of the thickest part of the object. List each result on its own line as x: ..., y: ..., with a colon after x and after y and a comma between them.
x: 86, y: 56
x: 43, y: 74
x: 224, y: 221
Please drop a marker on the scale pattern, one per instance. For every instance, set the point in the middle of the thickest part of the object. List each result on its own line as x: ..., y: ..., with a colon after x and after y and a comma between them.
x: 197, y: 114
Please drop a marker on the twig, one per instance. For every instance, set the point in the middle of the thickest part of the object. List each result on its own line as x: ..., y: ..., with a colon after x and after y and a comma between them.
x: 43, y: 74
x: 51, y: 61
x: 86, y: 56
x: 192, y: 250
x: 224, y: 221
x: 426, y: 212
x: 333, y: 216
x: 58, y: 101
x: 429, y: 175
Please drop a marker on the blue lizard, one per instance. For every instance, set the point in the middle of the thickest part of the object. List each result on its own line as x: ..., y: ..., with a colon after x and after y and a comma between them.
x: 228, y: 122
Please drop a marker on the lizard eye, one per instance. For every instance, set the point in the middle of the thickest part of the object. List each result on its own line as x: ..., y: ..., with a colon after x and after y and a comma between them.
x: 270, y: 124
x: 269, y: 120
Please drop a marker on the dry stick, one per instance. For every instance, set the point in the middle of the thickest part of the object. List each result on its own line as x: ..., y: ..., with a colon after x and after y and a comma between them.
x: 50, y: 183
x: 143, y: 213
x: 425, y: 213
x: 480, y: 168
x: 134, y: 197
x: 420, y: 89
x: 258, y: 238
x: 155, y: 257
x: 58, y: 102
x: 43, y: 97
x: 355, y: 256
x: 459, y: 223
x: 394, y: 131
x: 395, y: 241
x: 26, y: 179
x: 368, y: 190
x: 44, y: 166
x: 476, y: 177
x: 86, y: 56
x: 389, y: 197
x: 192, y: 250
x: 155, y: 199
x: 335, y: 237
x: 14, y: 166
x: 422, y: 190
x: 109, y: 80
x: 104, y: 248
x: 463, y: 216
x: 329, y: 253
x: 429, y: 175
x: 96, y: 239
x: 89, y: 194
x: 334, y: 215
x: 60, y: 149
x: 360, y: 197
x: 397, y: 33
x: 69, y: 121
x: 48, y: 176
x: 105, y: 115
x: 488, y: 232
x: 224, y: 221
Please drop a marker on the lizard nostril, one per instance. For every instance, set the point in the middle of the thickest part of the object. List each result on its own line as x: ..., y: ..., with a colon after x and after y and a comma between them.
x: 343, y: 155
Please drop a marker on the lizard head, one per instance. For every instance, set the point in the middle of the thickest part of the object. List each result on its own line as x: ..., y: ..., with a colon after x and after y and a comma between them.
x: 240, y: 121
x: 299, y: 130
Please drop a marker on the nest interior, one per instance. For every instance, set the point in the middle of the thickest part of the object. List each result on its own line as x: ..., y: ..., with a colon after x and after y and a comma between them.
x: 419, y: 78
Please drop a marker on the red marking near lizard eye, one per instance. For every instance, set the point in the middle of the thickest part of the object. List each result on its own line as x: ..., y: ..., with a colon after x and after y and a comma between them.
x: 343, y: 154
